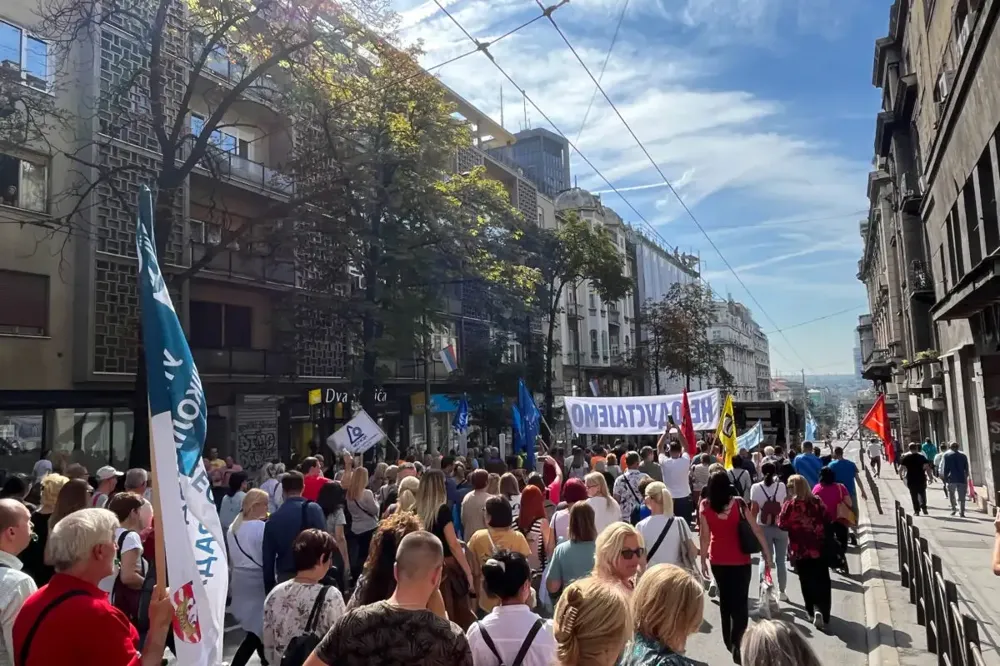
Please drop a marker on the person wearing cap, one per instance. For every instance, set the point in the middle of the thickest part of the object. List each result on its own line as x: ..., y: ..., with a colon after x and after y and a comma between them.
x: 107, y: 480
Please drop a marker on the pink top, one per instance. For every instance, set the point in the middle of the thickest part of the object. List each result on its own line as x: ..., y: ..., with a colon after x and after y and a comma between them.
x: 724, y: 546
x: 554, y: 492
x: 832, y: 495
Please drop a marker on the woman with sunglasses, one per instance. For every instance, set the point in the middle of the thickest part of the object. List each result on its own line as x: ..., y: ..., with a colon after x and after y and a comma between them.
x: 620, y: 554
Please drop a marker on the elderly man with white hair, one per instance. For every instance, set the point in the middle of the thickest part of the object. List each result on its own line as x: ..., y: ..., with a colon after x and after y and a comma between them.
x: 136, y: 482
x: 70, y: 620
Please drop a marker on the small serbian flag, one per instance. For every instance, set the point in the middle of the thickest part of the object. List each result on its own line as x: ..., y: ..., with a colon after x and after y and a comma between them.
x: 595, y: 388
x: 449, y: 358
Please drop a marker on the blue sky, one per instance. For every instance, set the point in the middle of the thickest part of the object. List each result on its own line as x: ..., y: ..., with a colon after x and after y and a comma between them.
x: 760, y: 112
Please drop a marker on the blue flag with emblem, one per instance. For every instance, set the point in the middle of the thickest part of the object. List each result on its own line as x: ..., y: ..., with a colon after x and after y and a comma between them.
x: 196, y: 563
x: 532, y: 421
x: 461, y: 421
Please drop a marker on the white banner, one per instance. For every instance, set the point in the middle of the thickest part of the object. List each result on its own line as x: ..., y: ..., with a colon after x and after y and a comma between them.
x: 357, y: 436
x: 197, y: 571
x: 641, y: 415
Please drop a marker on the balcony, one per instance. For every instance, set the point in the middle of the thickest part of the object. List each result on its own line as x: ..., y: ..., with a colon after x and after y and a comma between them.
x: 245, y: 362
x: 574, y: 358
x: 878, y: 365
x: 235, y: 167
x: 574, y: 310
x: 614, y: 317
x: 910, y: 195
x: 919, y: 282
x: 243, y: 265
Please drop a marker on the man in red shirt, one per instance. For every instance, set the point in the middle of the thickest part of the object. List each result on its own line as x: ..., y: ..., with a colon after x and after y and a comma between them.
x: 70, y: 621
x: 315, y: 480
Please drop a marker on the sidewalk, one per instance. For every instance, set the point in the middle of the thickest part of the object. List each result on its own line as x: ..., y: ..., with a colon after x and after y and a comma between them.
x: 965, y: 547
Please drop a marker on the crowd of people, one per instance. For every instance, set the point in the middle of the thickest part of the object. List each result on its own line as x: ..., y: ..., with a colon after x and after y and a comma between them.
x: 596, y: 556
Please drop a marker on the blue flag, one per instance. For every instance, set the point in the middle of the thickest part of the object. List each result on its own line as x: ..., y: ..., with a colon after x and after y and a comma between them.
x: 810, y: 427
x: 517, y: 426
x: 461, y: 421
x: 532, y: 418
x: 192, y: 533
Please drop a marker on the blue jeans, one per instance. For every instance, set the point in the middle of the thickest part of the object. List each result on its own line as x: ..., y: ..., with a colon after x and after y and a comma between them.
x: 777, y: 542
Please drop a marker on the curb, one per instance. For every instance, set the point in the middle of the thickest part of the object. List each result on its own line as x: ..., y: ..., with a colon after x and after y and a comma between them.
x: 882, y: 648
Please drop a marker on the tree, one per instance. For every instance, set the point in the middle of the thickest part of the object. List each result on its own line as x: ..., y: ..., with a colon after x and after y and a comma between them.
x: 574, y: 252
x: 379, y: 171
x: 678, y: 329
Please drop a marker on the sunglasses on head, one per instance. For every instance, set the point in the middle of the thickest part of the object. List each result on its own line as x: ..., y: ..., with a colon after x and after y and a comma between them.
x: 630, y: 553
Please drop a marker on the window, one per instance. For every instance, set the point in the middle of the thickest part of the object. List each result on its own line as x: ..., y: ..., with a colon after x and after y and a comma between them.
x: 24, y: 303
x: 224, y: 141
x: 593, y: 342
x: 23, y: 53
x: 23, y: 184
x: 604, y: 343
x: 221, y: 326
x: 442, y: 336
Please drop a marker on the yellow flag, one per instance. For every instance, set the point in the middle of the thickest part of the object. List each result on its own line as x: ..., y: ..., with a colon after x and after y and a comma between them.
x: 727, y: 432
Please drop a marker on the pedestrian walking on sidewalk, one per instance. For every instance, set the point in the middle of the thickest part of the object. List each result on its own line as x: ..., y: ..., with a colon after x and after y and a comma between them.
x: 955, y: 474
x: 917, y: 467
x: 875, y: 456
x: 804, y: 517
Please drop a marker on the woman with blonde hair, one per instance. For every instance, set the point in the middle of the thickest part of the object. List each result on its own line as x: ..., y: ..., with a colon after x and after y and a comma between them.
x: 456, y: 581
x: 510, y: 490
x: 620, y: 554
x: 363, y: 508
x: 668, y: 606
x: 406, y: 497
x: 246, y: 562
x: 33, y: 557
x: 670, y: 538
x: 593, y: 622
x: 777, y: 643
x: 378, y: 477
x: 804, y: 517
x: 493, y: 485
x: 606, y: 509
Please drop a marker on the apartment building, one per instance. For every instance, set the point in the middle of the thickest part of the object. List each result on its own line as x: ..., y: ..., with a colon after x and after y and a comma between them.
x: 937, y: 157
x: 745, y: 350
x: 68, y: 307
x: 597, y: 337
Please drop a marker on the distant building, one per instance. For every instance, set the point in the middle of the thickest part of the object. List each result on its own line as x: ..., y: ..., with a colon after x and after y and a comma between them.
x: 543, y: 156
x: 746, y: 354
x: 858, y: 361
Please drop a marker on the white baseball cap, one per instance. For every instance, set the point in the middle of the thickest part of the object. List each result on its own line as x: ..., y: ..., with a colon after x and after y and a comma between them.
x: 107, y: 472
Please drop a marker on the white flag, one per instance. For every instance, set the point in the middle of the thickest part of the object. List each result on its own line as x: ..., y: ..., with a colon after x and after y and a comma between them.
x: 357, y: 436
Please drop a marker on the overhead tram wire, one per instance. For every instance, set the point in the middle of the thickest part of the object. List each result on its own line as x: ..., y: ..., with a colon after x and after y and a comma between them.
x: 813, y: 321
x: 604, y: 67
x: 548, y: 14
x: 484, y: 48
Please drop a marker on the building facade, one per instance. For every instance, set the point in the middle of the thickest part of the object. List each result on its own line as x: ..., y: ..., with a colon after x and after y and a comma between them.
x: 597, y: 337
x: 745, y: 351
x: 543, y: 157
x: 938, y: 175
x: 68, y: 306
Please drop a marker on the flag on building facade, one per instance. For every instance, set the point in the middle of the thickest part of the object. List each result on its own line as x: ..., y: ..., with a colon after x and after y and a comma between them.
x: 449, y: 358
x: 460, y: 423
x: 687, y: 426
x: 531, y: 419
x: 595, y: 388
x: 727, y: 433
x: 877, y: 420
x: 193, y: 538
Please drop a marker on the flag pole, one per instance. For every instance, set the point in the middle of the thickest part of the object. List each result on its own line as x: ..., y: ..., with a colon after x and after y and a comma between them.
x: 159, y: 545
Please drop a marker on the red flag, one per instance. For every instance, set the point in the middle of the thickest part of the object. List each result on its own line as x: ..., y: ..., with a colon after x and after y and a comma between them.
x: 687, y: 426
x: 877, y: 420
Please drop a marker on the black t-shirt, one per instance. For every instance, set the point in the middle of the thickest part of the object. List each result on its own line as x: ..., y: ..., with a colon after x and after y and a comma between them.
x: 443, y: 519
x: 915, y: 464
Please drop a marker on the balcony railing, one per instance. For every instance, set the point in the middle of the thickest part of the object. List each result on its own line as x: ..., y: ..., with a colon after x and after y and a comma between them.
x: 878, y: 357
x: 614, y: 317
x: 574, y: 310
x: 920, y: 277
x: 243, y: 362
x: 255, y: 173
x: 246, y: 265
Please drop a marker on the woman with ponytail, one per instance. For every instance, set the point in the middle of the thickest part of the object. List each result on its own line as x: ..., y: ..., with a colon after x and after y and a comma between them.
x: 593, y: 622
x: 246, y: 558
x: 511, y: 633
x: 766, y: 498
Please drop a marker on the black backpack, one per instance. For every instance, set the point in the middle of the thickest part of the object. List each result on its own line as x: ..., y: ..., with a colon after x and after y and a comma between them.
x: 300, y: 647
x: 521, y: 654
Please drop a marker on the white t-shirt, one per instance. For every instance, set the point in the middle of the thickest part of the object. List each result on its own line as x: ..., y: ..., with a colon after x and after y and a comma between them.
x: 875, y: 450
x: 669, y: 550
x: 507, y: 627
x: 560, y: 524
x: 760, y: 494
x: 604, y: 515
x: 131, y: 542
x: 249, y: 554
x: 515, y: 505
x: 676, y: 473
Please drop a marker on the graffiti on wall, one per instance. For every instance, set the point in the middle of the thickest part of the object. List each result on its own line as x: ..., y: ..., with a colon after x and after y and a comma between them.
x: 256, y: 439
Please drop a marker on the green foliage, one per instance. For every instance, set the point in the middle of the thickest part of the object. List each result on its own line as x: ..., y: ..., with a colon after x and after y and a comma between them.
x: 677, y: 335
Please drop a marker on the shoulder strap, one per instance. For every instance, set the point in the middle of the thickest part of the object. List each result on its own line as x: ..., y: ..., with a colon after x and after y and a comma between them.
x: 635, y: 493
x: 316, y: 610
x: 364, y: 510
x: 237, y: 540
x: 26, y: 646
x: 121, y: 541
x: 659, y: 539
x: 302, y: 521
x: 489, y: 643
x: 526, y: 645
